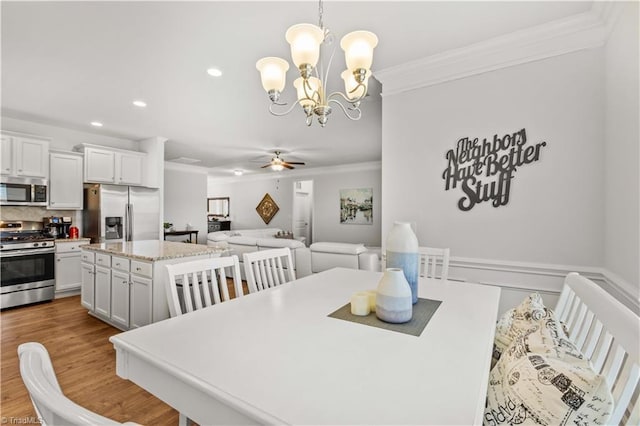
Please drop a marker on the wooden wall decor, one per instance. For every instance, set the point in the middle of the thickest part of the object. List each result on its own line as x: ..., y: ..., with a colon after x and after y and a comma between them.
x: 484, y: 169
x: 267, y: 208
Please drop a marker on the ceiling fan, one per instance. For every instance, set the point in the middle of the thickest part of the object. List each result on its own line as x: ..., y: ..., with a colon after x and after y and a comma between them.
x: 278, y: 163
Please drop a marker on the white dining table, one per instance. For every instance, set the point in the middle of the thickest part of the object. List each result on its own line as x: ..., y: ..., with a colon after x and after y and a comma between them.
x: 276, y: 357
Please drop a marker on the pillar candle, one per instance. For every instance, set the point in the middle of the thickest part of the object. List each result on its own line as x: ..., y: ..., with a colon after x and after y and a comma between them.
x: 360, y: 304
x: 372, y: 300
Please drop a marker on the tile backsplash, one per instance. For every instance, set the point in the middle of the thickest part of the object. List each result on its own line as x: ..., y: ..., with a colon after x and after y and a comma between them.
x: 8, y: 213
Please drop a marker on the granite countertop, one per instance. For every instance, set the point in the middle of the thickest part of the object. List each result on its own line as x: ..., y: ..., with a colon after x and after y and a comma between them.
x: 72, y: 240
x: 152, y: 250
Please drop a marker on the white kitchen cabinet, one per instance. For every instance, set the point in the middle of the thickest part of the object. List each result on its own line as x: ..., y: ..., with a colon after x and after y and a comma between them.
x: 7, y: 154
x: 99, y: 165
x: 69, y: 274
x: 65, y: 180
x: 129, y: 168
x: 140, y: 301
x: 110, y: 165
x: 25, y: 156
x: 87, y: 295
x: 120, y: 288
x: 102, y: 291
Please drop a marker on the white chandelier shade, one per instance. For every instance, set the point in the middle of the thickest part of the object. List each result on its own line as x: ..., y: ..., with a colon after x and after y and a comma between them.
x: 273, y: 73
x: 307, y: 42
x: 358, y: 49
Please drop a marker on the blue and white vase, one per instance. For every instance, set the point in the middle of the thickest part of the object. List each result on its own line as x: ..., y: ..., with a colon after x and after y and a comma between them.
x: 393, y: 297
x: 402, y: 252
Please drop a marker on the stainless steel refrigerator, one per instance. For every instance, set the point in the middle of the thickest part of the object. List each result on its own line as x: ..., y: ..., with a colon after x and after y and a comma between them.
x: 117, y: 213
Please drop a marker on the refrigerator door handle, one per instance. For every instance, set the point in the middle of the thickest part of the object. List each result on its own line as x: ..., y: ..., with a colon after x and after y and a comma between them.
x: 127, y: 219
x: 130, y: 222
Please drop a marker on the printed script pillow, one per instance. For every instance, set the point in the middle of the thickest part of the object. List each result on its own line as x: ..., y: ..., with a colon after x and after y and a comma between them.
x: 543, y: 379
x: 516, y: 321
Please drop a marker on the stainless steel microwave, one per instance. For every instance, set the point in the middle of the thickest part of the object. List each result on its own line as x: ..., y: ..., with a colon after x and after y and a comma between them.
x: 23, y: 191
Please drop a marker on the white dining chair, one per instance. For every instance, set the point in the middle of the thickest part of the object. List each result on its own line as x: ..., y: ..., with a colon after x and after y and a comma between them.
x: 268, y: 268
x: 201, y: 283
x: 51, y: 405
x: 432, y: 259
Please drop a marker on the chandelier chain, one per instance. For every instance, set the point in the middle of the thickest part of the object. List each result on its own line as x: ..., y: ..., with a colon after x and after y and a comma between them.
x: 320, y: 10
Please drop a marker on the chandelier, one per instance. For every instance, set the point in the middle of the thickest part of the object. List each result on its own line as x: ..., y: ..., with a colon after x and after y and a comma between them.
x: 306, y: 41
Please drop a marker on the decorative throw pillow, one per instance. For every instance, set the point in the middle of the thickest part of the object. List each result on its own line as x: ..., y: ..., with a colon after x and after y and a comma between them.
x: 516, y: 321
x: 542, y: 379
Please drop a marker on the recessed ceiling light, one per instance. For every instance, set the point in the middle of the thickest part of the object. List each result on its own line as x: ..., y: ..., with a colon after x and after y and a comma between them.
x: 214, y: 72
x: 141, y: 104
x: 96, y: 124
x: 238, y: 172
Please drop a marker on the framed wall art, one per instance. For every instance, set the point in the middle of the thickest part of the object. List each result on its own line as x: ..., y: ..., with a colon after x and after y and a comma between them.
x: 356, y: 206
x: 267, y: 208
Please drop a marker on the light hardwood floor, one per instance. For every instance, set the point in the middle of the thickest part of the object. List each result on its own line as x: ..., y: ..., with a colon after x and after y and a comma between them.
x: 84, y: 361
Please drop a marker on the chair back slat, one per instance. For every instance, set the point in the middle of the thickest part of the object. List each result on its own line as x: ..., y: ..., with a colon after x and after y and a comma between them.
x: 608, y: 332
x: 593, y: 340
x: 206, y: 294
x: 196, y: 280
x: 581, y: 337
x: 203, y: 283
x: 430, y: 259
x: 268, y: 268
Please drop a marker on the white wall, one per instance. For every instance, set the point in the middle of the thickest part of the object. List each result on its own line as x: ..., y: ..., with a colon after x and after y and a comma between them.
x: 555, y: 212
x: 622, y: 136
x: 185, y: 201
x: 245, y: 194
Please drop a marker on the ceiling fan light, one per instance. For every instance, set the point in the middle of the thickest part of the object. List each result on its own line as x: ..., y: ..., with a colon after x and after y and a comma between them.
x: 358, y: 49
x: 312, y: 90
x: 277, y: 167
x: 351, y: 85
x: 273, y: 72
x: 305, y: 40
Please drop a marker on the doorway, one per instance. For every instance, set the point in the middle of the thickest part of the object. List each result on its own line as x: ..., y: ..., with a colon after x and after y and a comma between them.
x: 303, y: 210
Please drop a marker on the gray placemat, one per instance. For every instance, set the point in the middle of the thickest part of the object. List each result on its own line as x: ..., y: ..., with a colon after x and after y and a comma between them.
x: 423, y: 310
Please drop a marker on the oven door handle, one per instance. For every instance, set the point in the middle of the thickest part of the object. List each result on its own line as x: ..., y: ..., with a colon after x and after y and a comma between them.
x: 26, y: 252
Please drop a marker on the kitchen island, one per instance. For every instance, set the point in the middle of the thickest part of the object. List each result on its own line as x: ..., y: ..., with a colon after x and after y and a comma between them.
x: 124, y: 284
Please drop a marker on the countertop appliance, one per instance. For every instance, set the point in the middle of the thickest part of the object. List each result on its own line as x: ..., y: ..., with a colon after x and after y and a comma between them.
x: 19, y: 191
x: 27, y: 262
x: 118, y: 213
x: 57, y: 226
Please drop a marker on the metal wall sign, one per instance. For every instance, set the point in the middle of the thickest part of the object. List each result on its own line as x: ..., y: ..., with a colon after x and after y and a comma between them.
x: 484, y: 169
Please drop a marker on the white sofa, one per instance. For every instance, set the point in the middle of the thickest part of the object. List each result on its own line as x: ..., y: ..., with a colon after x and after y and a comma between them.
x: 327, y: 255
x: 306, y: 260
x: 250, y: 240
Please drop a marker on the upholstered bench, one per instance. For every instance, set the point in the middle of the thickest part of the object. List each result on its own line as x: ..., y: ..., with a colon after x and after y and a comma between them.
x: 326, y: 255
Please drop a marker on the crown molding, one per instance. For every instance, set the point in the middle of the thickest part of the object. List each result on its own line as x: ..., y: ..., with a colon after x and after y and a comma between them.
x: 578, y: 32
x: 310, y: 172
x: 186, y: 168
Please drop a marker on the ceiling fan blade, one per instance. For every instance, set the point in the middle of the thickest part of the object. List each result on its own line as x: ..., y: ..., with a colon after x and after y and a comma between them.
x: 295, y: 162
x: 266, y: 165
x: 287, y: 166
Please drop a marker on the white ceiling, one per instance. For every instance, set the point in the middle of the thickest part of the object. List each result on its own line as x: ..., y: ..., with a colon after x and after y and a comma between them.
x: 71, y: 63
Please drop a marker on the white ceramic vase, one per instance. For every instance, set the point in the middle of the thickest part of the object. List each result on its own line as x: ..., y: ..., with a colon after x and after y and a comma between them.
x: 402, y: 252
x: 393, y: 297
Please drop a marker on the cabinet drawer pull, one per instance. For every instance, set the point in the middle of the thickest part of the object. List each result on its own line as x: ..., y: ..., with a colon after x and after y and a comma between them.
x: 138, y: 269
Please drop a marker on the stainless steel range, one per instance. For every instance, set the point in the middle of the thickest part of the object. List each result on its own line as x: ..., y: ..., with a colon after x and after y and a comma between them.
x: 27, y: 262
